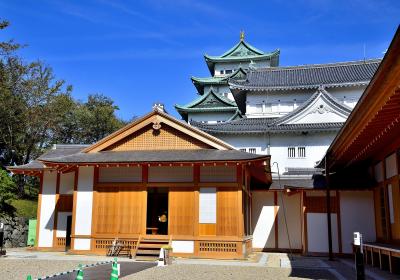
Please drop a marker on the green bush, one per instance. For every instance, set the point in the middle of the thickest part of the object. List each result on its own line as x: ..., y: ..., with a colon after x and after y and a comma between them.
x: 7, y: 189
x: 24, y: 208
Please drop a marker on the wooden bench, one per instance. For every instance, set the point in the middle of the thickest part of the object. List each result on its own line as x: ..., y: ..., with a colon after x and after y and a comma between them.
x: 390, y: 251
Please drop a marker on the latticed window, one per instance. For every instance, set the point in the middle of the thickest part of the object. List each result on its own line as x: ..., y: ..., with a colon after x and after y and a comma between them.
x: 242, y: 149
x: 252, y: 150
x: 301, y: 152
x: 291, y: 152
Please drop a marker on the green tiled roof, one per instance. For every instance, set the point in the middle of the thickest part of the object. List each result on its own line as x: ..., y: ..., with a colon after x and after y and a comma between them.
x: 210, y: 102
x: 199, y: 83
x: 242, y: 51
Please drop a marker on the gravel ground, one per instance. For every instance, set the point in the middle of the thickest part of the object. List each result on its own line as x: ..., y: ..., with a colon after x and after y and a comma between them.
x: 214, y: 272
x: 12, y: 269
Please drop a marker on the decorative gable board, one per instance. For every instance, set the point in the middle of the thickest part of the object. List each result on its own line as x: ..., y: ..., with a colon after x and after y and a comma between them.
x: 211, y: 101
x: 323, y: 109
x: 164, y: 138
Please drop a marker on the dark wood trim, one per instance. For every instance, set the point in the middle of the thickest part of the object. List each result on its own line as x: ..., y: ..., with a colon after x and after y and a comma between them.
x: 276, y: 221
x: 38, y: 211
x: 338, y: 221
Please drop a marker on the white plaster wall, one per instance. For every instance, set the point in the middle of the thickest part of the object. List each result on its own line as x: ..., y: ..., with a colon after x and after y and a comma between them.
x: 67, y: 181
x: 208, y: 205
x: 293, y: 220
x: 182, y: 246
x: 221, y: 89
x: 347, y: 95
x: 170, y: 174
x: 62, y: 224
x: 235, y: 65
x: 81, y: 244
x: 391, y: 166
x: 317, y: 233
x: 210, y: 117
x: 357, y: 215
x: 263, y: 217
x: 47, y: 207
x: 84, y: 202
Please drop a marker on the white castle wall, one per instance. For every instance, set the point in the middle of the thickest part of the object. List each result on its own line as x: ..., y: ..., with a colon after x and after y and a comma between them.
x: 283, y: 102
x: 211, y: 117
x: 316, y: 145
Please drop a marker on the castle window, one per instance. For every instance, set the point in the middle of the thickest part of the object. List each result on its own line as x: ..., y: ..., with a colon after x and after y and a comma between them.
x: 301, y: 152
x: 221, y: 72
x: 228, y: 71
x: 252, y: 150
x: 243, y: 149
x: 291, y: 152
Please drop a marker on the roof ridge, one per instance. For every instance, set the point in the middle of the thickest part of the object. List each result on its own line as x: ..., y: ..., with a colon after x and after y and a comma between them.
x: 317, y: 65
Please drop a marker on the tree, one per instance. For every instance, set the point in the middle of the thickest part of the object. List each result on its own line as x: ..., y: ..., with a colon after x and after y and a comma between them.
x: 7, y: 189
x: 7, y: 47
x: 96, y: 119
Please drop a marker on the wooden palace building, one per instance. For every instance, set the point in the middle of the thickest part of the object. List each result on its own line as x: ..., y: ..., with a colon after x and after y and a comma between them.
x: 155, y: 181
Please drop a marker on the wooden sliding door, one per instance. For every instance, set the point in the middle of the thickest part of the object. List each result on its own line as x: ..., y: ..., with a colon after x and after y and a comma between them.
x: 181, y: 211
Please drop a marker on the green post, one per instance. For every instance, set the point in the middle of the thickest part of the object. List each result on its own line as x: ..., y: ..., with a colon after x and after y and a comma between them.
x: 114, y: 271
x: 29, y: 277
x: 79, y: 276
x: 32, y: 232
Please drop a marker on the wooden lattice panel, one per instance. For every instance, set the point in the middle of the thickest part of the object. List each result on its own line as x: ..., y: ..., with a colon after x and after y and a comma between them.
x: 165, y: 138
x: 104, y: 244
x: 217, y: 247
x: 61, y: 241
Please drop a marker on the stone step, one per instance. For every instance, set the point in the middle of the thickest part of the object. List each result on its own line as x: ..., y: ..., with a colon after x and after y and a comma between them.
x: 146, y: 258
x: 141, y: 251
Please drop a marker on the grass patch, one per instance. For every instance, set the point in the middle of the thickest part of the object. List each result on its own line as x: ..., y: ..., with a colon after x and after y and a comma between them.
x: 24, y: 207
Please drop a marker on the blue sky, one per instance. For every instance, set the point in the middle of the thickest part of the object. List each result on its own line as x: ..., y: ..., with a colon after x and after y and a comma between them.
x: 139, y: 52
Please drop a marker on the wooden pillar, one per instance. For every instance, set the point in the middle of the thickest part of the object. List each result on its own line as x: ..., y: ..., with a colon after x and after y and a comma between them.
x: 145, y: 180
x: 196, y: 180
x: 56, y: 211
x: 328, y: 206
x: 39, y: 207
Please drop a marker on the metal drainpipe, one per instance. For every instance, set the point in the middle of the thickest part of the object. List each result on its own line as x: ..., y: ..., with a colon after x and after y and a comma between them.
x: 328, y: 206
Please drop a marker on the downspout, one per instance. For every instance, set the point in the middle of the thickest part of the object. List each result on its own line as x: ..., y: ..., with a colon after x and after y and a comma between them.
x: 328, y: 205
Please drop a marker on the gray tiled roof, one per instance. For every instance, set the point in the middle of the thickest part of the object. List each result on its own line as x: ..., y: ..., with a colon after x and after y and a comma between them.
x: 157, y: 156
x: 56, y: 152
x: 309, y: 76
x: 263, y: 125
